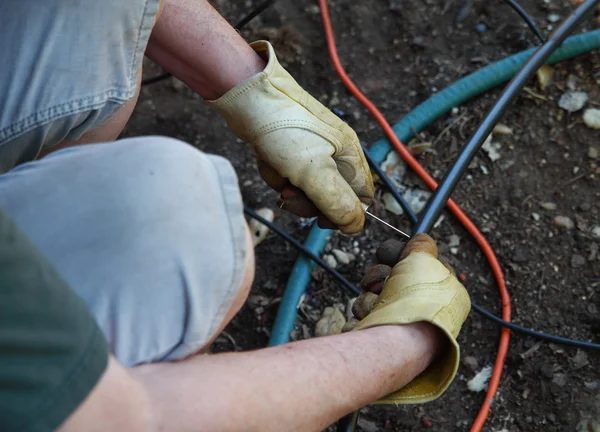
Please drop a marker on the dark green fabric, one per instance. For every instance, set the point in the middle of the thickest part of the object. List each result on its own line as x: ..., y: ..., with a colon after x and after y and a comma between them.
x: 52, y: 353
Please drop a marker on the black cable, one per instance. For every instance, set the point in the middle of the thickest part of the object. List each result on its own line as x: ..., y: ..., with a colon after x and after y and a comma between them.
x: 349, y: 286
x: 390, y: 186
x: 240, y: 25
x: 254, y: 13
x: 438, y: 201
x: 518, y: 9
x: 533, y: 333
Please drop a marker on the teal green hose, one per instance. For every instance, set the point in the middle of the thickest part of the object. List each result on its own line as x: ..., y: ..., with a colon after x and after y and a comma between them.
x: 418, y: 119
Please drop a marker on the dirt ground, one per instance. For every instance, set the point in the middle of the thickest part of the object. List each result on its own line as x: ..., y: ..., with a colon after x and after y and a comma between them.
x: 400, y: 53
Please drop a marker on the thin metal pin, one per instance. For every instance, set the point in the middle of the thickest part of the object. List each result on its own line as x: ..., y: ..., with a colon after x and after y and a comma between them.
x: 387, y: 224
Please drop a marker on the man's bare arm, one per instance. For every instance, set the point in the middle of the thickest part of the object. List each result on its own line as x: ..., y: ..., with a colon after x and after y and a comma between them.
x: 299, y: 386
x: 195, y: 43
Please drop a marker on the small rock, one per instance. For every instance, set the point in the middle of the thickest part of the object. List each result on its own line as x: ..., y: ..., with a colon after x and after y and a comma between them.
x: 580, y: 359
x: 502, y: 129
x: 491, y: 148
x: 453, y: 241
x: 454, y: 250
x: 479, y: 382
x: 550, y: 206
x: 591, y: 118
x: 553, y: 18
x: 585, y: 206
x: 572, y: 82
x: 367, y: 426
x: 330, y: 260
x: 481, y: 28
x: 313, y: 9
x: 330, y: 323
x: 545, y: 76
x: 563, y: 222
x: 426, y: 422
x: 341, y: 256
x: 592, y: 385
x: 596, y: 231
x: 471, y: 362
x: 391, y: 205
x: 536, y: 216
x: 560, y: 379
x: 577, y: 261
x: 520, y: 256
x: 573, y: 100
x: 593, y: 153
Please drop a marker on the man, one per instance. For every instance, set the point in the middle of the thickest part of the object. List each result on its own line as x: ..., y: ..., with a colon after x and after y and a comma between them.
x: 144, y: 254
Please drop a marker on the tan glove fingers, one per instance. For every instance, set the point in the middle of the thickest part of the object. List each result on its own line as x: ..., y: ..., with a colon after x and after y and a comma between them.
x: 420, y: 243
x: 270, y: 176
x: 315, y: 172
x: 295, y: 201
x: 375, y: 277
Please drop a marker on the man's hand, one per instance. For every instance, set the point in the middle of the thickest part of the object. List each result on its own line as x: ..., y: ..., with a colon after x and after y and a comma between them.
x: 418, y: 288
x: 300, y: 142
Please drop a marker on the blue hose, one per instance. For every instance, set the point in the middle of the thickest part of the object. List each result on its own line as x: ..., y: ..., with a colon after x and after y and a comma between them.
x: 418, y: 119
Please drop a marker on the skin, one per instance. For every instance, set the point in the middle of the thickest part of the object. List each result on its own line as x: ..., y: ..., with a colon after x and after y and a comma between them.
x: 304, y: 385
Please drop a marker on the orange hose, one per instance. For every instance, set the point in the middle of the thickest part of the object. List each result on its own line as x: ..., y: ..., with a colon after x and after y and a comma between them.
x: 461, y: 216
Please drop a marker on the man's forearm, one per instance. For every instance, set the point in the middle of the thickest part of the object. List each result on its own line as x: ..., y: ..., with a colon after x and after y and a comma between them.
x: 300, y: 386
x: 193, y: 42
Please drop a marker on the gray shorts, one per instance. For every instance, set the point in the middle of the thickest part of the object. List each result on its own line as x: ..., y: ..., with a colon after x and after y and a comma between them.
x: 148, y: 231
x: 67, y: 68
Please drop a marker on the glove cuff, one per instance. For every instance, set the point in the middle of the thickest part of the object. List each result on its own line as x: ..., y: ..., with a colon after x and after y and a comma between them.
x: 445, y: 305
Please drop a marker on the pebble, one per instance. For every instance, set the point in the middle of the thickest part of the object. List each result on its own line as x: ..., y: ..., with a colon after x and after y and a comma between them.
x: 596, y: 231
x: 330, y: 323
x: 471, y: 362
x: 502, y: 129
x: 367, y: 426
x: 591, y: 118
x: 577, y: 261
x: 585, y: 206
x: 548, y: 206
x: 553, y: 18
x: 453, y: 240
x: 573, y: 100
x: 560, y: 379
x: 341, y: 256
x: 330, y: 260
x: 563, y: 222
x: 536, y: 216
x: 580, y: 359
x: 520, y: 256
x: 313, y: 9
x: 481, y: 28
x: 545, y: 76
x: 593, y: 153
x: 391, y: 205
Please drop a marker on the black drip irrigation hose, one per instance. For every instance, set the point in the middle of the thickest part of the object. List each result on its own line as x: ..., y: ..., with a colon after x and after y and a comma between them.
x: 240, y: 25
x: 438, y: 201
x: 523, y: 14
x: 354, y: 290
x: 348, y: 285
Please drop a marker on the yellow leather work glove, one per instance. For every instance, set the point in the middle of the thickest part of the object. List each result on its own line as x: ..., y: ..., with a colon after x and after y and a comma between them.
x: 418, y: 288
x: 299, y: 141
